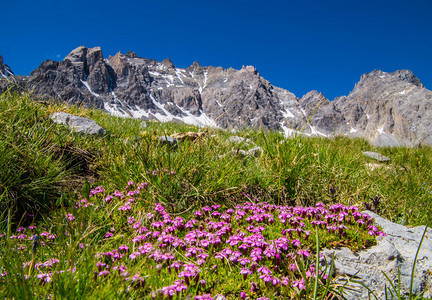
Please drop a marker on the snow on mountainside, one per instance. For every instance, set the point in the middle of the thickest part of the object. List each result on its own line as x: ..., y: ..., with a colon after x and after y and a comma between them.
x: 387, y: 108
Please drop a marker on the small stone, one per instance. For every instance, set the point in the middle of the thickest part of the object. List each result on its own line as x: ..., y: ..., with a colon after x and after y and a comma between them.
x: 376, y: 156
x: 374, y: 166
x: 239, y: 140
x: 169, y: 141
x: 256, y: 151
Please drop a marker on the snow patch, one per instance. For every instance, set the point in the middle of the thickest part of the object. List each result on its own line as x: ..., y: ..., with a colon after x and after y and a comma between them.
x: 202, y: 121
x: 403, y: 92
x: 287, y: 114
x: 367, y: 116
x: 154, y: 74
x: 113, y: 109
x: 315, y: 132
x: 353, y: 130
x: 201, y: 88
x: 169, y: 79
x: 179, y: 75
x: 303, y: 111
x: 381, y: 130
x: 89, y: 89
x: 139, y: 112
x: 288, y: 132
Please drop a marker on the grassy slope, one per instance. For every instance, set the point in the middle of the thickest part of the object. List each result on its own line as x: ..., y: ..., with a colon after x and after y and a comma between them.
x: 43, y: 164
x: 42, y: 161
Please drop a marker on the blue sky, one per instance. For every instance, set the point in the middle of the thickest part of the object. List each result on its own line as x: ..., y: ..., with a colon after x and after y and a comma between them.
x: 298, y: 45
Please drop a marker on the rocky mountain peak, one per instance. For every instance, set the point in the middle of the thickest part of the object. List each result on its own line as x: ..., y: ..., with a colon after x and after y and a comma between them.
x: 119, y: 64
x: 131, y: 54
x: 250, y: 69
x: 378, y: 76
x: 168, y: 63
x: 195, y: 67
x: 93, y: 56
x: 408, y: 76
x: 77, y: 55
x: 5, y: 71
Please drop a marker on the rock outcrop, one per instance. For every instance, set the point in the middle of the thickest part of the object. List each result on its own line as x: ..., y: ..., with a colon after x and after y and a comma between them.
x: 394, y: 253
x: 390, y: 109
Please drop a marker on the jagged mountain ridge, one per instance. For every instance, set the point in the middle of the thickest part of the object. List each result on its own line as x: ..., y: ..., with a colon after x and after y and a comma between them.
x: 387, y: 108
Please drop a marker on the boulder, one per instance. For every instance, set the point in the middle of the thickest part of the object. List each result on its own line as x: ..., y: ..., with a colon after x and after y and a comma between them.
x: 376, y: 156
x: 78, y: 124
x: 393, y: 253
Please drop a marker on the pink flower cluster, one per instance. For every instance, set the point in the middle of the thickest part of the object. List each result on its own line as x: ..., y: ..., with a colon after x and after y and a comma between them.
x: 195, y: 249
x: 264, y: 246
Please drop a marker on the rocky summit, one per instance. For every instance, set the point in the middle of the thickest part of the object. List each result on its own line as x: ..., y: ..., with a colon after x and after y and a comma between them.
x: 389, y: 109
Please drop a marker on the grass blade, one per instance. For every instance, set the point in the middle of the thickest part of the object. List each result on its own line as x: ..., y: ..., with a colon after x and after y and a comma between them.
x: 415, y: 262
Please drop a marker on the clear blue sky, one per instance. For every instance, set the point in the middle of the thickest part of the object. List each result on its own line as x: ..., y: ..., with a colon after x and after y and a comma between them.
x: 298, y: 45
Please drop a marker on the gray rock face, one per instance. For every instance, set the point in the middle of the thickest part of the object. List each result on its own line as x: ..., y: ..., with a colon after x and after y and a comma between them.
x: 395, y: 251
x: 395, y: 104
x: 78, y: 124
x: 388, y: 140
x: 389, y: 109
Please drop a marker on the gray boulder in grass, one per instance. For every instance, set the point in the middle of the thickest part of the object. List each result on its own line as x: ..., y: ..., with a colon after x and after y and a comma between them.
x: 78, y: 124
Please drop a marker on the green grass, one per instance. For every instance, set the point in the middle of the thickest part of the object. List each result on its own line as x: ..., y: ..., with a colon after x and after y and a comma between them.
x: 44, y: 166
x: 42, y: 161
